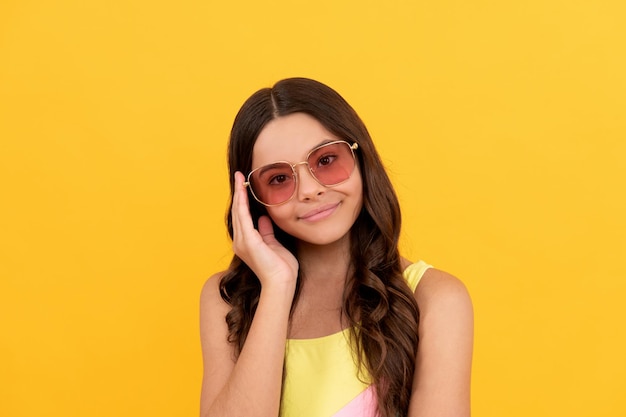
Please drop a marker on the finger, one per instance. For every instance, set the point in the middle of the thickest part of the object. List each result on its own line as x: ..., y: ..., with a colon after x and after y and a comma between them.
x: 241, y: 208
x: 266, y: 229
x: 234, y: 208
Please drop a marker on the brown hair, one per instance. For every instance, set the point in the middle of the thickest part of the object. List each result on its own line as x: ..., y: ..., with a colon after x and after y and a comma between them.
x: 377, y: 302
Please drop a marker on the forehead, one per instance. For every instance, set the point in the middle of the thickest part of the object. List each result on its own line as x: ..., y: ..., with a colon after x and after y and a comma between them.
x: 289, y: 138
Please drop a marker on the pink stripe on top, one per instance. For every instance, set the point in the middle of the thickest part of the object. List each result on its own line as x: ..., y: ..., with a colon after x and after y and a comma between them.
x: 363, y: 405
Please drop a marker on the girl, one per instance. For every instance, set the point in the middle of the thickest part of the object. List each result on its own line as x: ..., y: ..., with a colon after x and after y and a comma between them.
x: 318, y: 315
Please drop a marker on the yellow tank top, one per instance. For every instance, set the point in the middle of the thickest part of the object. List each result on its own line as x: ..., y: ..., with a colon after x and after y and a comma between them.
x: 321, y: 375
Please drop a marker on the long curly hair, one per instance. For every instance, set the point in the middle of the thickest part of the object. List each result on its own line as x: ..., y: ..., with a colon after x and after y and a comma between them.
x: 377, y: 303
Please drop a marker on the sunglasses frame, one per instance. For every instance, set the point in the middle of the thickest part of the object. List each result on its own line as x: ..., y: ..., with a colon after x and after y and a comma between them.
x: 352, y: 148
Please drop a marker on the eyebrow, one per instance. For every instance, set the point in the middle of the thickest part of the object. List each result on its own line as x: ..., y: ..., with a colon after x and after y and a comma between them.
x: 268, y: 167
x: 263, y: 168
x: 324, y: 142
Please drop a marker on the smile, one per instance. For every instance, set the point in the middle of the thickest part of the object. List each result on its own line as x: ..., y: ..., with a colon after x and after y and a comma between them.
x: 319, y: 213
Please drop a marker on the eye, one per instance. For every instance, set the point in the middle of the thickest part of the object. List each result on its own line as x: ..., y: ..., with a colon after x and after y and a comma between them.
x: 274, y: 174
x: 326, y: 159
x: 279, y: 179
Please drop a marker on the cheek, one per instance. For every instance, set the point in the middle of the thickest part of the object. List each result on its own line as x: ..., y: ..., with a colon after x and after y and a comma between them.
x: 278, y: 214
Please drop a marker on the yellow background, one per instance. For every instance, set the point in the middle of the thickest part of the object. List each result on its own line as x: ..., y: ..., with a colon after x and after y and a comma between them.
x: 502, y: 124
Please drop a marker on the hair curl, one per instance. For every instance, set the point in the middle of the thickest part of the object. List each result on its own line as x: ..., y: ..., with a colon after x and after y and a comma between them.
x: 377, y: 302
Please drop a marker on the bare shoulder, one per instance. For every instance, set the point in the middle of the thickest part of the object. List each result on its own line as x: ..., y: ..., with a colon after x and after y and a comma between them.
x: 211, y: 287
x: 211, y: 302
x: 440, y: 290
x: 217, y: 353
x: 213, y: 311
x: 444, y: 355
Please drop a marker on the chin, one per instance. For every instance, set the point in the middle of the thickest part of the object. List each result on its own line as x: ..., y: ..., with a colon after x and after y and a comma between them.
x: 332, y: 230
x: 322, y: 236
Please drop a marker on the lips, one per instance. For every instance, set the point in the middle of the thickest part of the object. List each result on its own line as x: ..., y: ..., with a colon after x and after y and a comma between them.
x: 319, y: 213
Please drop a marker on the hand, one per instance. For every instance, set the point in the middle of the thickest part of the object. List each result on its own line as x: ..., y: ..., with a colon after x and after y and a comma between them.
x: 269, y: 260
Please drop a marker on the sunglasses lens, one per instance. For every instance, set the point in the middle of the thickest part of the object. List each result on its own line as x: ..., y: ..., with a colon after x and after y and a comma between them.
x: 333, y: 163
x: 273, y: 184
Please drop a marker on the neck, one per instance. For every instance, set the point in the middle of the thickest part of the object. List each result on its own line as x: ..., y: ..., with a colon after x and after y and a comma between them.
x: 324, y: 270
x: 327, y: 262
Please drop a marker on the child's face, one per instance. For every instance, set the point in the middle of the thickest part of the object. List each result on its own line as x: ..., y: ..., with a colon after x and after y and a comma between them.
x: 316, y: 214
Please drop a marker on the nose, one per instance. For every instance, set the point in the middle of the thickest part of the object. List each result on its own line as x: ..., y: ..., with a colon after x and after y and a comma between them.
x: 308, y: 187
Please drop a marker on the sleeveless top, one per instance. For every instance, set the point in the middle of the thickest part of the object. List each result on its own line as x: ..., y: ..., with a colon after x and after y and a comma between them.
x: 321, y: 378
